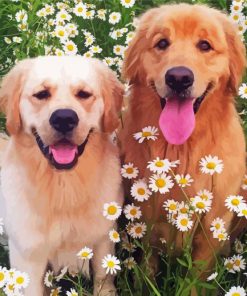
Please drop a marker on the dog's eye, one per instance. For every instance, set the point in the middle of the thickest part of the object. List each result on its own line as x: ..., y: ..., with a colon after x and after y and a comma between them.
x: 204, y: 45
x: 81, y: 94
x: 162, y: 44
x: 42, y: 95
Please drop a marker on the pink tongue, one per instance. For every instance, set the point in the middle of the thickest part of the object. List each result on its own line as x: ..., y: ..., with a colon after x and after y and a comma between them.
x: 63, y: 153
x: 177, y: 120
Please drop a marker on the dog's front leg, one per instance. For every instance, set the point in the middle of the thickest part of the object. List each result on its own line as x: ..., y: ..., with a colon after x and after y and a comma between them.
x: 34, y: 264
x: 103, y: 284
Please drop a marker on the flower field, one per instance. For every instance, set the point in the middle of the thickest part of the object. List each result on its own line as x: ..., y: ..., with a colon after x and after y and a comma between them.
x: 103, y: 29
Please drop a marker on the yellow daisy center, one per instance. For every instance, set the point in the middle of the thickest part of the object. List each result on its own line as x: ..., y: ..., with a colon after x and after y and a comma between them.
x: 229, y: 265
x: 160, y: 183
x: 127, y: 1
x: 244, y: 212
x: 138, y: 230
x: 115, y: 235
x: 245, y: 90
x: 221, y: 236
x: 70, y: 47
x: 183, y: 181
x: 159, y: 164
x: 61, y: 33
x: 184, y: 210
x: 235, y: 202
x: 237, y: 262
x: 110, y: 264
x: 129, y: 170
x: 11, y: 287
x: 133, y: 212
x: 114, y: 17
x: 172, y: 207
x: 146, y: 134
x: 236, y: 7
x: 63, y: 16
x: 184, y: 222
x: 235, y: 17
x: 84, y: 254
x: 2, y: 276
x: 141, y: 191
x: 245, y: 180
x: 236, y: 294
x: 217, y: 225
x: 204, y: 196
x: 200, y: 205
x: 112, y: 210
x: 117, y: 49
x: 211, y: 165
x: 80, y: 9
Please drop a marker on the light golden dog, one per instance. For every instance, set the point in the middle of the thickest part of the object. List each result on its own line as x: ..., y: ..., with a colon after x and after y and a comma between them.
x: 60, y: 166
x: 184, y: 65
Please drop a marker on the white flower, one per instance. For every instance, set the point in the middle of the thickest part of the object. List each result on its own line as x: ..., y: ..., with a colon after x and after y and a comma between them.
x: 111, y: 263
x: 236, y: 291
x: 217, y: 225
x: 3, y: 276
x: 201, y: 205
x: 119, y: 50
x: 171, y: 206
x: 71, y: 30
x: 88, y: 54
x: 184, y: 208
x: 172, y: 218
x: 89, y: 14
x: 236, y: 7
x: 61, y: 32
x: 7, y: 40
x: 41, y: 13
x: 63, y: 15
x: 132, y: 212
x: 160, y: 183
x: 70, y: 48
x: 244, y: 184
x: 55, y: 292
x: 21, y: 280
x: 59, y: 52
x: 221, y: 235
x: 85, y: 253
x: 116, y: 34
x: 129, y: 37
x: 80, y: 9
x: 72, y: 292
x: 114, y: 18
x: 236, y: 17
x: 238, y: 262
x: 1, y: 226
x: 48, y: 280
x: 243, y: 91
x: 49, y: 9
x: 205, y: 194
x: 228, y: 263
x: 233, y: 202
x: 17, y: 39
x: 242, y: 210
x: 95, y: 49
x: 89, y: 40
x: 129, y: 171
x: 101, y: 14
x: 212, y: 276
x: 129, y: 263
x: 140, y: 191
x: 147, y: 133
x: 22, y: 27
x: 108, y: 61
x: 138, y: 230
x: 183, y: 223
x: 211, y: 164
x: 62, y: 273
x: 114, y: 236
x: 127, y: 3
x: 21, y: 16
x: 183, y: 180
x: 128, y: 246
x: 112, y: 210
x: 159, y: 165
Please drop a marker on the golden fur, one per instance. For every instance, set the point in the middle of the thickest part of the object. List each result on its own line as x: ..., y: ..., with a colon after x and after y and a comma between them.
x: 218, y: 129
x: 51, y: 214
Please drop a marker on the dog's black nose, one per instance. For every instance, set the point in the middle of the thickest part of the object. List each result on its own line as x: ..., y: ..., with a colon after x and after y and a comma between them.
x: 179, y: 78
x: 64, y: 120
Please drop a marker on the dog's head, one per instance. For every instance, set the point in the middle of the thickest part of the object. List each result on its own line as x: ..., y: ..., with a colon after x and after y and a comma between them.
x: 184, y: 52
x: 59, y: 101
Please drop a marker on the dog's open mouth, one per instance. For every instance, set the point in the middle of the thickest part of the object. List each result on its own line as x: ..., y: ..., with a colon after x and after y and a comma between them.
x: 64, y: 154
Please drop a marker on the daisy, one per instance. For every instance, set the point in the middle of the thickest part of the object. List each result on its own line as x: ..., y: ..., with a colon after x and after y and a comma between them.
x: 95, y: 49
x: 147, y: 133
x: 114, y: 18
x: 21, y: 16
x: 172, y: 218
x: 236, y: 17
x: 140, y: 191
x: 221, y: 235
x: 62, y: 5
x: 233, y: 202
x: 119, y: 50
x: 244, y: 185
x: 62, y: 273
x: 159, y: 165
x: 17, y: 39
x: 205, y: 194
x: 116, y: 34
x: 243, y: 91
x: 184, y: 208
x: 59, y: 52
x: 138, y: 230
x: 89, y: 40
x: 236, y: 7
x: 7, y: 40
x: 242, y: 210
x: 1, y: 226
x: 41, y: 13
x: 111, y: 263
x: 217, y: 225
x: 183, y: 180
x: 211, y: 164
x: 61, y: 32
x: 63, y: 15
x: 132, y: 212
x: 129, y: 37
x: 212, y: 276
x: 48, y: 280
x: 183, y: 223
x: 201, y: 205
x: 129, y: 263
x: 21, y: 280
x: 112, y: 211
x: 70, y: 48
x: 3, y: 276
x: 128, y: 246
x: 228, y: 263
x: 114, y: 236
x: 10, y: 289
x: 22, y: 27
x: 236, y: 291
x: 89, y: 14
x: 88, y: 54
x: 72, y: 292
x: 55, y: 292
x: 80, y: 9
x: 101, y: 14
x: 171, y: 206
x: 109, y: 62
x: 238, y: 262
x: 49, y: 9
x: 127, y: 3
x: 160, y: 183
x: 72, y: 30
x: 85, y: 253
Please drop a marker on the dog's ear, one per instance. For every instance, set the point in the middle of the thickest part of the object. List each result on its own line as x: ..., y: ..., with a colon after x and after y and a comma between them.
x: 113, y: 92
x: 237, y: 53
x: 10, y: 92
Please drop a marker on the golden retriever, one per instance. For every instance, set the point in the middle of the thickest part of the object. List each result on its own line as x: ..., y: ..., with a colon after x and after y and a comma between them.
x: 60, y: 166
x: 184, y: 65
